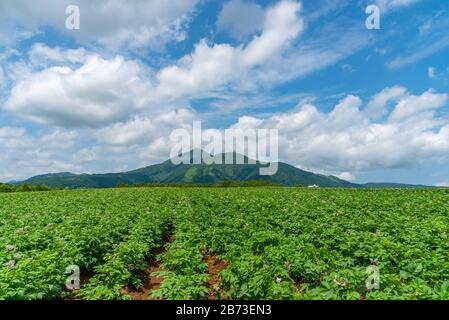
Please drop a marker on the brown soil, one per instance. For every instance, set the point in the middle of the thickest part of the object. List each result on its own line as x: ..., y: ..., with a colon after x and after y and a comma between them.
x: 215, y: 266
x: 85, y: 277
x: 298, y: 283
x: 149, y: 282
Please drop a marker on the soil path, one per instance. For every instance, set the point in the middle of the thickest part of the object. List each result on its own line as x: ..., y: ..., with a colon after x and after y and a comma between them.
x: 215, y: 266
x: 149, y: 282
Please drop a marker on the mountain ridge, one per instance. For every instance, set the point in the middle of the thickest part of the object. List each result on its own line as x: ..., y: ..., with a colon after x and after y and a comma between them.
x: 169, y: 173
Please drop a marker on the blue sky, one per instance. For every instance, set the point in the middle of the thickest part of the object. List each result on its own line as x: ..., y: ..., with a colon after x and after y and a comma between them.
x: 365, y: 105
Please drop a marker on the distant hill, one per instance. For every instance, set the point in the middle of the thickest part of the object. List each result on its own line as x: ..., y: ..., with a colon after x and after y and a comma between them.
x: 395, y: 185
x: 169, y: 173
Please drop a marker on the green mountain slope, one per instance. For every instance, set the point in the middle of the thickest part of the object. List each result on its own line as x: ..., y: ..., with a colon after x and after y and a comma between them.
x: 394, y: 185
x: 167, y: 172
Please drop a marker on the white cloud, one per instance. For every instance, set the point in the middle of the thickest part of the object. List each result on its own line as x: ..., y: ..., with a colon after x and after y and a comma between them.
x: 84, y: 156
x: 76, y: 88
x: 143, y: 139
x: 335, y: 41
x: 92, y: 93
x: 141, y: 130
x: 331, y: 42
x: 282, y: 24
x: 113, y: 23
x: 377, y: 107
x: 347, y: 140
x: 207, y: 69
x: 17, y: 138
x: 157, y: 150
x: 58, y: 140
x: 42, y: 55
x: 131, y: 110
x: 412, y: 105
x: 23, y: 155
x: 443, y: 184
x: 348, y: 176
x: 211, y: 68
x: 240, y: 18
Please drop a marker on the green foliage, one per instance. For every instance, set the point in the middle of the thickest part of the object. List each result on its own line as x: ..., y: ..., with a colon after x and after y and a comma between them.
x: 108, y: 233
x: 24, y: 188
x: 187, y: 272
x: 225, y: 184
x: 278, y: 243
x: 122, y: 185
x: 170, y: 174
x: 128, y: 258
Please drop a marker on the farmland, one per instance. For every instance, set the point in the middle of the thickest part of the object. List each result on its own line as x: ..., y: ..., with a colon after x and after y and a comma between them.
x: 235, y: 243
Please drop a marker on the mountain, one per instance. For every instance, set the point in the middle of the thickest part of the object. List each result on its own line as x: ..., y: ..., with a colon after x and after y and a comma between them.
x: 169, y: 173
x: 395, y: 185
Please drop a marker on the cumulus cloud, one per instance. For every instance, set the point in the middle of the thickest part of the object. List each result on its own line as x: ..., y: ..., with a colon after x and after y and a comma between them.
x: 42, y: 55
x: 92, y: 93
x: 84, y: 156
x: 76, y: 88
x: 129, y: 111
x: 332, y: 42
x: 344, y: 141
x: 113, y: 23
x: 412, y: 105
x: 348, y: 176
x: 79, y: 88
x: 443, y: 184
x: 210, y: 68
x: 240, y: 19
x: 23, y: 155
x: 347, y: 139
x: 17, y: 138
x: 144, y: 129
x: 335, y: 41
x: 377, y: 107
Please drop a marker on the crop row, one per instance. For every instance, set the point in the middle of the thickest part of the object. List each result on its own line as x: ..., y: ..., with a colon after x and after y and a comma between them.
x: 277, y: 243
